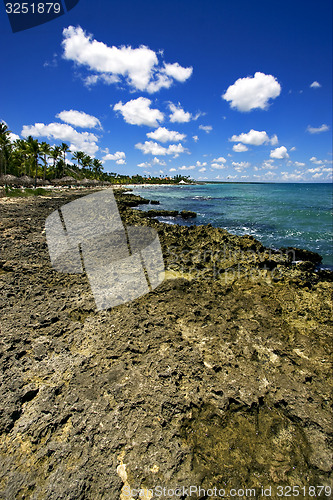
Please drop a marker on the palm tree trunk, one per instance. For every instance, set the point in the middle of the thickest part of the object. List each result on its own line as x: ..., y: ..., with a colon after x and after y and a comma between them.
x: 36, y: 160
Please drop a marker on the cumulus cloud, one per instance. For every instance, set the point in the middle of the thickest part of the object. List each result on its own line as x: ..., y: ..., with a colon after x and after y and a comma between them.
x: 267, y: 165
x: 191, y: 167
x: 140, y: 67
x: 178, y: 115
x: 314, y: 130
x: 279, y: 153
x: 239, y: 148
x: 195, y: 138
x: 206, y: 128
x: 252, y: 92
x: 119, y: 157
x: 218, y: 166
x: 315, y: 85
x: 239, y: 166
x: 315, y: 160
x: 79, y: 119
x: 203, y: 169
x: 299, y: 164
x: 287, y: 176
x: 157, y: 161
x: 79, y: 141
x: 178, y: 72
x: 138, y: 112
x: 162, y: 134
x: 255, y: 138
x: 13, y: 137
x: 220, y: 160
x: 153, y: 148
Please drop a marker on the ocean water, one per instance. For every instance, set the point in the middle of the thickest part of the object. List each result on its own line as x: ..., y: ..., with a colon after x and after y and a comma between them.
x: 278, y: 215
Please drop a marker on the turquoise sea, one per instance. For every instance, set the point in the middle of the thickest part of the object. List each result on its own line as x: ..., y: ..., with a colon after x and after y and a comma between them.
x: 278, y: 215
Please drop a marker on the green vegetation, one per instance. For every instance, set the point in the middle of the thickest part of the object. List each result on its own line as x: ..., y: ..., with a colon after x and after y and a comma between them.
x: 41, y: 160
x: 23, y: 193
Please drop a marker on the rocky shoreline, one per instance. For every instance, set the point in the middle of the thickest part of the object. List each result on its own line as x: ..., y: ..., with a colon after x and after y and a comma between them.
x: 220, y: 377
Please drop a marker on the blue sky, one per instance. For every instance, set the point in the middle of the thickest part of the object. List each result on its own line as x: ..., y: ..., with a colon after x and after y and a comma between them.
x: 214, y: 89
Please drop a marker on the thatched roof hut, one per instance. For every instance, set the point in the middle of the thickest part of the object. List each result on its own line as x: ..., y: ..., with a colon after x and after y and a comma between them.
x: 9, y: 180
x: 25, y: 180
x: 65, y: 181
x: 84, y: 182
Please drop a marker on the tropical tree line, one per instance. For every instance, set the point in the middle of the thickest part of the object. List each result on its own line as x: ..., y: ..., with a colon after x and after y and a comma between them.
x: 40, y: 160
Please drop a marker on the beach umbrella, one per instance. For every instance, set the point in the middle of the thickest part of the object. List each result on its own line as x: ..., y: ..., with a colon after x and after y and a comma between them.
x: 9, y: 179
x: 84, y: 182
x: 68, y: 180
x: 25, y: 180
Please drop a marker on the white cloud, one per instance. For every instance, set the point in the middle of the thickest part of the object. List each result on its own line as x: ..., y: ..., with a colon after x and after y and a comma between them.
x: 140, y: 67
x: 199, y: 164
x: 314, y: 130
x: 239, y: 148
x: 286, y: 176
x: 13, y: 137
x: 157, y: 161
x: 299, y: 164
x: 240, y: 166
x: 206, y: 128
x: 153, y: 148
x: 119, y: 157
x: 178, y: 115
x: 173, y: 170
x: 79, y: 119
x: 192, y: 167
x: 144, y: 165
x: 79, y: 141
x: 315, y: 85
x: 220, y: 160
x: 316, y: 176
x: 313, y: 170
x: 195, y: 138
x: 255, y: 138
x: 279, y: 153
x: 203, y: 169
x: 178, y: 72
x: 268, y: 164
x: 162, y: 134
x: 138, y: 112
x: 315, y: 160
x: 252, y: 92
x: 217, y: 166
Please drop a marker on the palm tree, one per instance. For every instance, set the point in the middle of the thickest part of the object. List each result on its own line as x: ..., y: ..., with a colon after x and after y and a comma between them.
x: 97, y: 167
x: 78, y: 156
x: 87, y: 162
x: 45, y: 149
x: 64, y: 148
x: 33, y: 147
x: 5, y: 147
x: 54, y: 154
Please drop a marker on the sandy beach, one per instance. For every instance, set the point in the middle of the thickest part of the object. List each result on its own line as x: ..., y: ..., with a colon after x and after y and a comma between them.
x: 220, y: 377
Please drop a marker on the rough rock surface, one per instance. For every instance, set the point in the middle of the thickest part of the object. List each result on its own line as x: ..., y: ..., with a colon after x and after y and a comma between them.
x: 219, y: 377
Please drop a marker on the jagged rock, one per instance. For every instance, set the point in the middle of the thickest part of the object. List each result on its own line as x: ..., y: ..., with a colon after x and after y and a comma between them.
x: 187, y: 214
x: 220, y: 376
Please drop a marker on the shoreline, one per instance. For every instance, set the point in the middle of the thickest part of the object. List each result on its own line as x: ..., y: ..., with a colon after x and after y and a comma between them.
x: 220, y: 376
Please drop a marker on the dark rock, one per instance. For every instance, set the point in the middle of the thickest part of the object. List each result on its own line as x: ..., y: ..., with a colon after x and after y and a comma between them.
x: 160, y: 213
x: 187, y: 214
x: 295, y: 254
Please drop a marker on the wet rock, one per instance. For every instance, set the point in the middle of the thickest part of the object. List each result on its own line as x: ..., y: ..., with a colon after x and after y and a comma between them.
x: 187, y: 214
